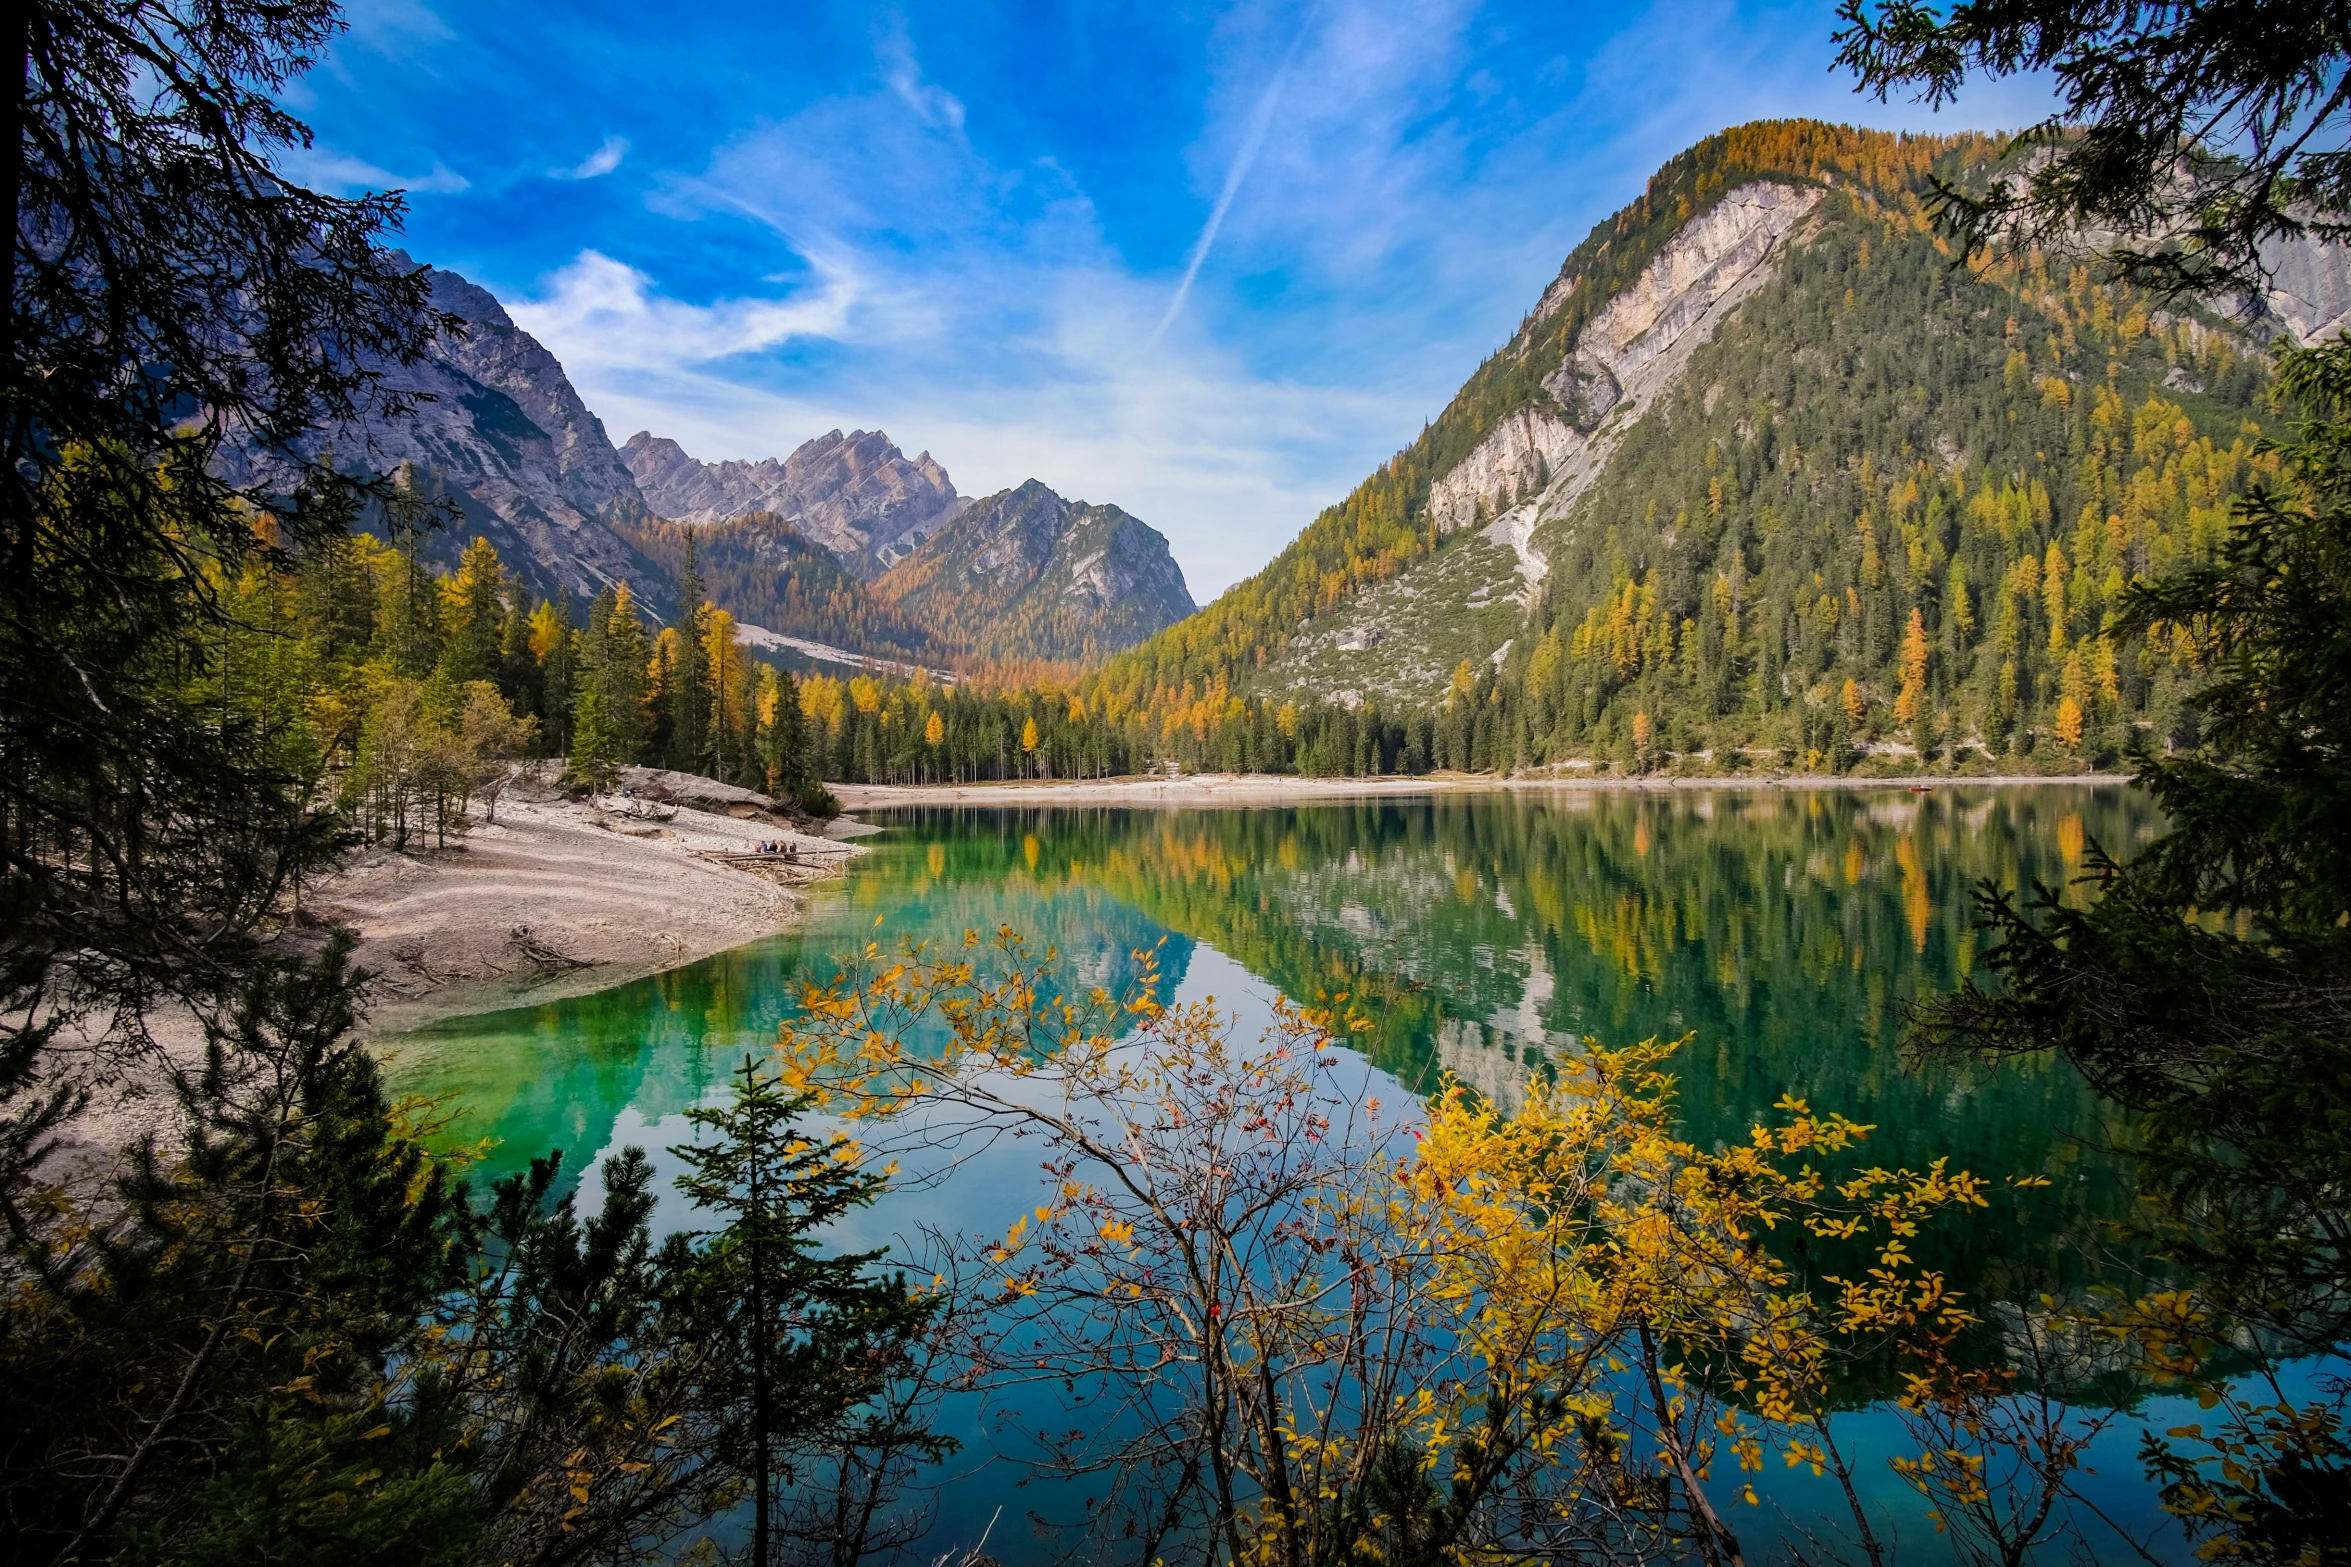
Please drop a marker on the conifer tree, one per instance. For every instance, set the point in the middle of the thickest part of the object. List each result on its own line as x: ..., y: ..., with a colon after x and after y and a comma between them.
x: 783, y: 737
x: 338, y: 587
x: 555, y: 647
x: 1910, y: 699
x: 475, y: 619
x: 690, y: 721
x: 595, y: 759
x: 807, y: 1336
x: 623, y: 676
x: 408, y: 627
x: 727, y: 743
x: 518, y: 671
x: 661, y: 697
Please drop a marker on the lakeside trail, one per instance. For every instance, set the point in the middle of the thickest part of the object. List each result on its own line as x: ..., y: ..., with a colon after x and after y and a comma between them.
x: 1238, y: 789
x: 559, y: 897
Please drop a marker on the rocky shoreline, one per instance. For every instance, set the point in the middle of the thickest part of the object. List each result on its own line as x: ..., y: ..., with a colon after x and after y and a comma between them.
x: 561, y: 896
x: 1275, y: 789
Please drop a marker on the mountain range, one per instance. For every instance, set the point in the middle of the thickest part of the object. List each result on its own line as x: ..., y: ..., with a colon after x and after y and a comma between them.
x: 820, y: 546
x: 1763, y: 469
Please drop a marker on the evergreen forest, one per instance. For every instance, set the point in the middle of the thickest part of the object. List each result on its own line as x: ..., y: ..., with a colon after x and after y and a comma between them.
x: 1885, y: 512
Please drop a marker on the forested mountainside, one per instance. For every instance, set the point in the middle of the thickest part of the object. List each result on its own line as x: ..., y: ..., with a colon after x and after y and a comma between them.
x: 857, y: 495
x: 1763, y: 471
x: 1025, y: 575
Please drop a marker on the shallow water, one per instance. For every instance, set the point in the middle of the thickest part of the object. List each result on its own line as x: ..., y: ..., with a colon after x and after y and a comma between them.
x: 1781, y: 931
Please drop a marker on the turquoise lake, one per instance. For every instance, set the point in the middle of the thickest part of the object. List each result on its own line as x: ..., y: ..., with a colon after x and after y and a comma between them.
x: 1781, y: 930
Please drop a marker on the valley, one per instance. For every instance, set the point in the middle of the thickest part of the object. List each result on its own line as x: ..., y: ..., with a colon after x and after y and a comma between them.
x: 839, y: 543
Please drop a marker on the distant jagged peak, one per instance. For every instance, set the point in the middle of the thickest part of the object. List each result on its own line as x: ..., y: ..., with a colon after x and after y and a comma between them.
x: 856, y: 494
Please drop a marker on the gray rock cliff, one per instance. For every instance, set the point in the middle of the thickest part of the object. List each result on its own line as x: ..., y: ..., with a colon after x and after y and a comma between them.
x: 502, y: 435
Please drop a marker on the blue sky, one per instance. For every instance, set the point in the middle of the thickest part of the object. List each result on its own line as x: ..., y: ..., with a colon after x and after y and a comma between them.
x: 1209, y: 262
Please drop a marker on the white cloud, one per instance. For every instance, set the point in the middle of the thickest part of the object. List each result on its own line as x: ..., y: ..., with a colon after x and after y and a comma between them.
x: 1227, y: 464
x: 323, y: 168
x: 598, y: 315
x: 596, y: 164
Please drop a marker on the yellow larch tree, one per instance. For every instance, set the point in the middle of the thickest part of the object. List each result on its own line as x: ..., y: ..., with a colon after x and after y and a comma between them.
x: 1912, y: 696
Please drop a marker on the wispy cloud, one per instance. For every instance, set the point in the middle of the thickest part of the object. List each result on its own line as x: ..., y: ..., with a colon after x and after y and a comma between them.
x: 323, y: 168
x: 596, y: 164
x: 1242, y: 159
x: 932, y: 104
x: 396, y: 28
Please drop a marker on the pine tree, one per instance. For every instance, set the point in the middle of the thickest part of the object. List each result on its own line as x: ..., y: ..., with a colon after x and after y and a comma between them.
x: 555, y: 647
x: 338, y: 586
x: 475, y: 615
x: 518, y: 670
x: 726, y: 684
x: 1911, y: 698
x: 408, y: 627
x: 690, y: 717
x: 623, y: 677
x: 595, y: 761
x: 661, y: 698
x: 807, y: 1336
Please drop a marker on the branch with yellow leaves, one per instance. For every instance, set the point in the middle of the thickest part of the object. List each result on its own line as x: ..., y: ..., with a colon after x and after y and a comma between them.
x: 1287, y: 1324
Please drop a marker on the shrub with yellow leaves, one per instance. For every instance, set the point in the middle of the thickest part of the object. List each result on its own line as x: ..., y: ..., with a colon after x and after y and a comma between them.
x: 1304, y: 1327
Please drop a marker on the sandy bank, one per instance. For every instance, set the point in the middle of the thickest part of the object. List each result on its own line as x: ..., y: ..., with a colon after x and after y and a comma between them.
x: 1215, y: 789
x: 561, y: 897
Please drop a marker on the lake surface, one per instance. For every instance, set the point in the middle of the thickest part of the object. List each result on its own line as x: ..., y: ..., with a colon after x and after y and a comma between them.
x: 1781, y: 930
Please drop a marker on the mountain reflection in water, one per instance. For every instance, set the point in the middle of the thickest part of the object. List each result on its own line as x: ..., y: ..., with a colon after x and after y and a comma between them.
x: 1482, y: 933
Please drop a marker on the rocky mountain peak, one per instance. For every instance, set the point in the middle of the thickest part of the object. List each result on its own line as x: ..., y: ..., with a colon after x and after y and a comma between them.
x: 502, y: 435
x: 857, y: 494
x: 1013, y: 534
x: 1027, y: 573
